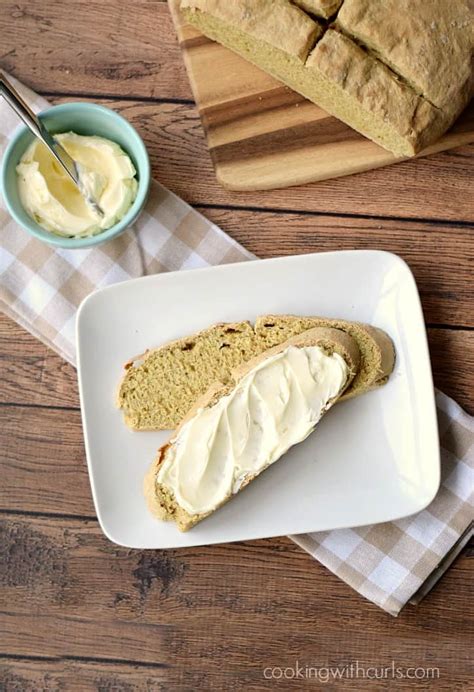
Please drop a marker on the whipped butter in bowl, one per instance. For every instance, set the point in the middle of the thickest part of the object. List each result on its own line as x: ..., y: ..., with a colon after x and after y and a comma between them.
x: 50, y: 197
x: 114, y: 168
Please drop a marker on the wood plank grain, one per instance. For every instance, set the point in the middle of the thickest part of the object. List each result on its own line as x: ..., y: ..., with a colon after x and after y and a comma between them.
x: 125, y: 48
x: 41, y: 633
x: 200, y: 612
x: 436, y: 187
x: 26, y: 675
x: 43, y: 464
x: 263, y: 135
x: 446, y: 349
x: 30, y: 367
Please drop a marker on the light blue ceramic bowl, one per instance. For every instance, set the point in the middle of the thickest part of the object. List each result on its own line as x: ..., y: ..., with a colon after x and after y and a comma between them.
x: 84, y: 119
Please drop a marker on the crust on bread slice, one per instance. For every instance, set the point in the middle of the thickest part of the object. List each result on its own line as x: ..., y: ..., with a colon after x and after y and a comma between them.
x: 160, y: 499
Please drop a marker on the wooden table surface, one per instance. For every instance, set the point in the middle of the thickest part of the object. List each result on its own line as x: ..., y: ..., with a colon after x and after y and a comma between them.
x: 76, y: 611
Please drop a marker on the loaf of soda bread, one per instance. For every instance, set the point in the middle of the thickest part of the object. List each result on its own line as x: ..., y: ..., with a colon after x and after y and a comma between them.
x: 160, y: 386
x: 397, y: 71
x: 206, y: 460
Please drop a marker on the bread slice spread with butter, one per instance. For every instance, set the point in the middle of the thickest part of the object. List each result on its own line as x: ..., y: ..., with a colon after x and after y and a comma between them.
x: 237, y: 430
x: 397, y: 71
x: 160, y: 386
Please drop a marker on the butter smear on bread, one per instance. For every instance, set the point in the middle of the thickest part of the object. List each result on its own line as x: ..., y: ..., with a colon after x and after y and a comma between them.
x: 238, y: 429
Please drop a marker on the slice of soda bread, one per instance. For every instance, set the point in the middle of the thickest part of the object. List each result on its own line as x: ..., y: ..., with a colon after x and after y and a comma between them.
x: 160, y: 386
x: 271, y: 397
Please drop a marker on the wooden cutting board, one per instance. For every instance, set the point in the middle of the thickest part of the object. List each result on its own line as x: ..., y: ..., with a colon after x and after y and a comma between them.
x: 262, y: 135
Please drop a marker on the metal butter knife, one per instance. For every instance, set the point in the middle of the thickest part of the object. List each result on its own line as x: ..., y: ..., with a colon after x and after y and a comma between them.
x: 72, y: 168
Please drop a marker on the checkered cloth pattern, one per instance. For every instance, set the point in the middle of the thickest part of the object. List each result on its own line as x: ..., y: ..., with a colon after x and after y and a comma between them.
x: 388, y: 563
x: 42, y: 287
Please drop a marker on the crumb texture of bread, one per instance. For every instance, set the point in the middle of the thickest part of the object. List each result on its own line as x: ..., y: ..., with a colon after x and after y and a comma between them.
x: 160, y: 498
x: 282, y: 59
x: 397, y: 71
x: 160, y: 387
x: 261, y: 20
x: 362, y: 91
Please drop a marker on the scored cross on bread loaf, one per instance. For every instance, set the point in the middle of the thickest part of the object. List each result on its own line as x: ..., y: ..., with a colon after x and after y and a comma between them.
x: 397, y: 71
x: 160, y: 386
x: 238, y: 429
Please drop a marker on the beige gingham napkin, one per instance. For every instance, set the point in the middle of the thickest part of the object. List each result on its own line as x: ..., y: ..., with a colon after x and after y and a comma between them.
x: 41, y: 288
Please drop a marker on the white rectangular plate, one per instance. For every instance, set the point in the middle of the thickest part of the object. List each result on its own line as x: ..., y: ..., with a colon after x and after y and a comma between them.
x: 372, y: 459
